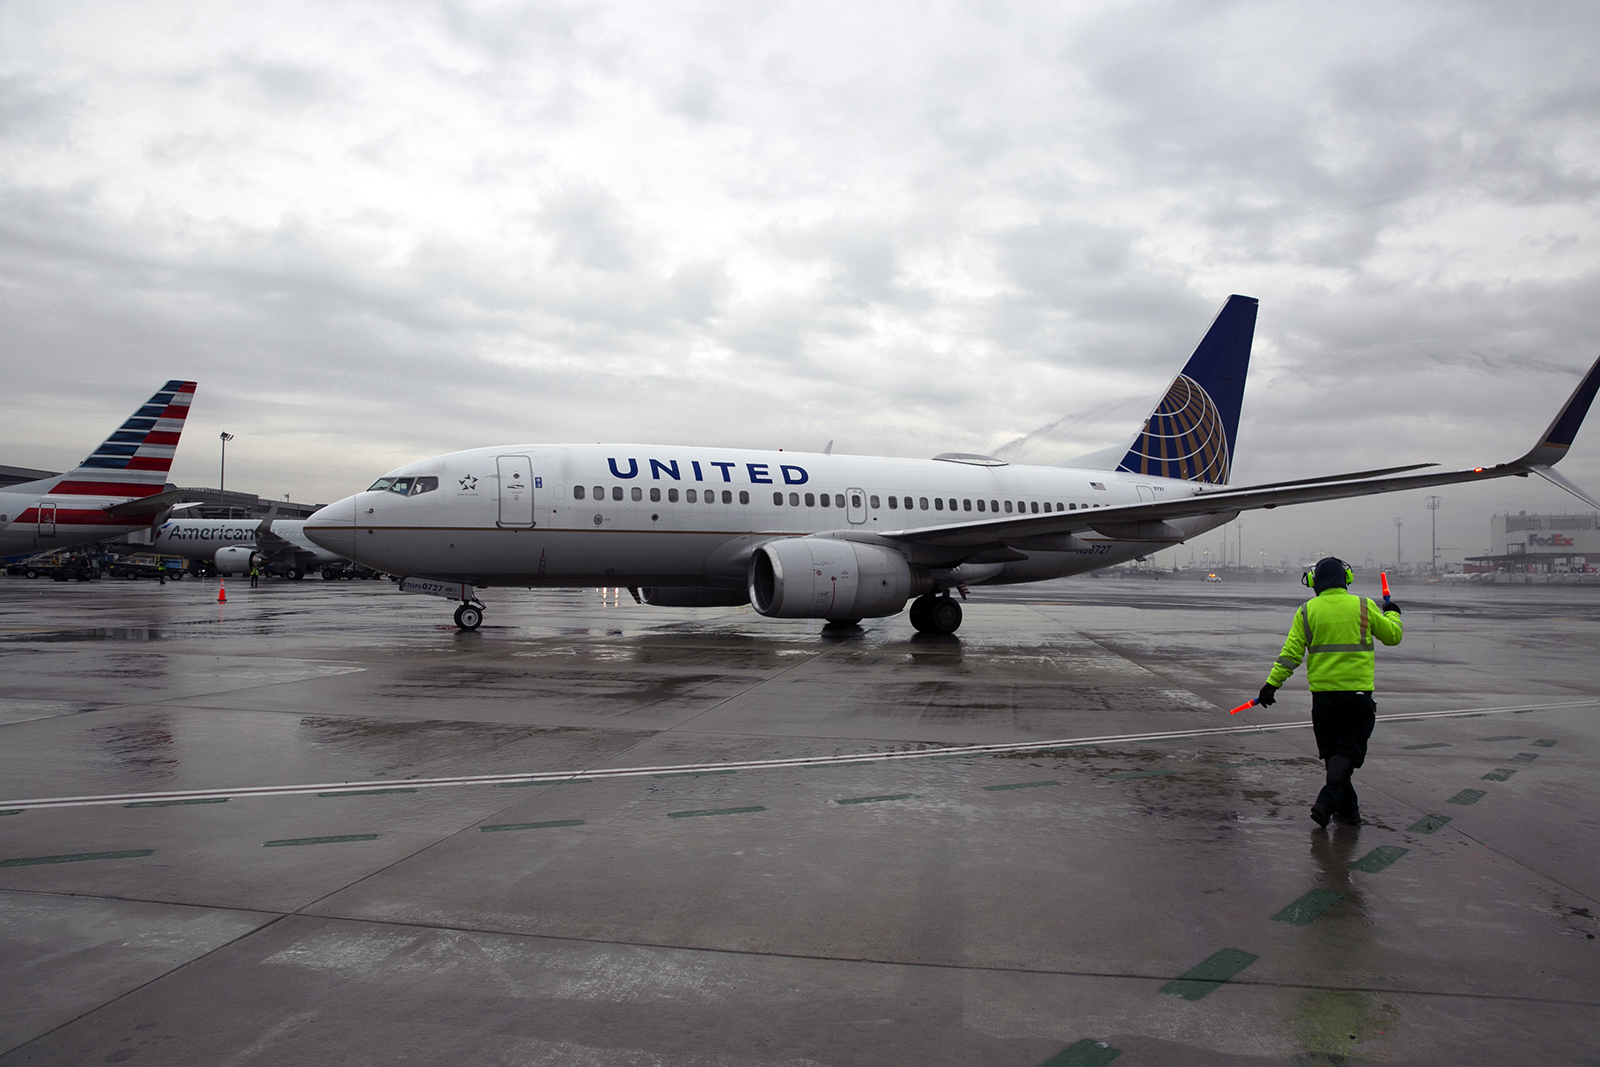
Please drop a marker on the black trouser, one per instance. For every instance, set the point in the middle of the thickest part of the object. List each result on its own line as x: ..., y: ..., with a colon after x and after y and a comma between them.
x: 1342, y: 722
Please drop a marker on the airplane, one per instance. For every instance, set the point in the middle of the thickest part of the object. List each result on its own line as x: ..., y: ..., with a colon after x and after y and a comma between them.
x: 232, y: 546
x: 120, y: 488
x: 842, y: 538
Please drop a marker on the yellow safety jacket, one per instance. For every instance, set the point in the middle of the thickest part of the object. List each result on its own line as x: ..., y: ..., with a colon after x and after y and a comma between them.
x: 1333, y: 632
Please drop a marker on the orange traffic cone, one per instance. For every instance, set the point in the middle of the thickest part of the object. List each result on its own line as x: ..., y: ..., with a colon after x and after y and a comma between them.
x: 222, y: 594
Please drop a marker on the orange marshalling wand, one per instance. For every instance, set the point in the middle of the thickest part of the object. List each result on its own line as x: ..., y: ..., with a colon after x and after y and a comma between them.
x: 1247, y: 704
x: 1384, y: 578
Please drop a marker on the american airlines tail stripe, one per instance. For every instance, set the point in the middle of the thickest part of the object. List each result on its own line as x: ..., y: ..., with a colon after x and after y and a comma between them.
x: 80, y: 517
x: 116, y: 489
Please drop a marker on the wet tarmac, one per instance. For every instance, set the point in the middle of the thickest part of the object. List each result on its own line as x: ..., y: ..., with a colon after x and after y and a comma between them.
x: 367, y: 838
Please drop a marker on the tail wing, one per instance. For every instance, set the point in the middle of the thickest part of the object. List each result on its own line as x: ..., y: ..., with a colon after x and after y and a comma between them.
x: 133, y: 462
x: 1191, y: 432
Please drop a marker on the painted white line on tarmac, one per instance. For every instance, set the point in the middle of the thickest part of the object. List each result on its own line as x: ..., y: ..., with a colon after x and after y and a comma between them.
x: 554, y: 777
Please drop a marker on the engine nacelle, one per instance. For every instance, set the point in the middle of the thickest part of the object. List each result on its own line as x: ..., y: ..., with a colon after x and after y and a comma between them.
x: 237, y: 559
x: 826, y: 578
x: 694, y: 596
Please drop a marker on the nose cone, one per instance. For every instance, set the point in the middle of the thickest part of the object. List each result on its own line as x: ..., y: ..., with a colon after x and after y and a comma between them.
x: 334, y: 527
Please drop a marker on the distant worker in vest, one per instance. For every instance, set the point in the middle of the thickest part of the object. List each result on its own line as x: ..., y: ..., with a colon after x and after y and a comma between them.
x: 255, y: 576
x: 1333, y: 633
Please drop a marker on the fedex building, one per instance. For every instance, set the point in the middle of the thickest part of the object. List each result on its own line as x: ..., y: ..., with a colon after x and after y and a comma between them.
x: 1548, y: 544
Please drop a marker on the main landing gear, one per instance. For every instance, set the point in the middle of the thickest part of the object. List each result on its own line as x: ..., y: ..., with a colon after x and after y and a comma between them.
x: 469, y: 617
x: 936, y: 613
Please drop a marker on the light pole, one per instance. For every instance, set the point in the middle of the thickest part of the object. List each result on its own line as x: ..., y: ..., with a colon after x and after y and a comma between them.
x: 1433, y: 509
x: 1398, y: 522
x: 222, y: 476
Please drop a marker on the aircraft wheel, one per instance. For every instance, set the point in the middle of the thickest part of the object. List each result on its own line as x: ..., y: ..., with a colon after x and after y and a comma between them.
x: 329, y: 574
x: 469, y: 617
x: 294, y: 574
x: 921, y: 614
x: 842, y: 623
x: 945, y: 616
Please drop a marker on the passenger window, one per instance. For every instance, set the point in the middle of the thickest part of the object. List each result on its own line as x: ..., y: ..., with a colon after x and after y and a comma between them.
x: 672, y: 496
x: 923, y: 501
x: 838, y: 500
x: 1047, y: 505
x: 711, y: 496
x: 401, y: 486
x: 744, y: 497
x: 1036, y: 507
x: 577, y: 492
x: 873, y: 501
x: 425, y: 485
x: 994, y: 505
x: 811, y: 500
x: 616, y: 492
x: 938, y: 503
x: 794, y: 500
x: 855, y: 501
x: 380, y: 485
x: 638, y: 494
x: 1072, y: 507
x: 599, y: 492
x: 980, y: 505
x: 1008, y: 507
x: 894, y: 503
x: 777, y: 499
x: 690, y: 496
x: 655, y: 495
x: 1060, y: 506
x: 822, y: 498
x: 966, y: 505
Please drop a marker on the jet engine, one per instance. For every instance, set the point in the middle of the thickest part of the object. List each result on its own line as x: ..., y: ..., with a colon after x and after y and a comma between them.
x: 237, y: 559
x: 826, y: 578
x: 697, y: 596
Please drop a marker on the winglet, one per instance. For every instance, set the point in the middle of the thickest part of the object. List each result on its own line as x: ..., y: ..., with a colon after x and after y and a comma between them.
x: 1558, y: 438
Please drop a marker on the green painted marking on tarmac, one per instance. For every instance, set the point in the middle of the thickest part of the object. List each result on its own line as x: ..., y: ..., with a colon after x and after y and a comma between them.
x: 1430, y: 744
x: 1526, y: 757
x: 1428, y: 824
x: 1211, y: 973
x: 1085, y: 1053
x: 176, y: 803
x: 1507, y: 737
x: 1139, y: 774
x: 1017, y: 785
x: 77, y: 857
x: 12, y: 811
x: 1545, y: 742
x: 286, y: 842
x: 691, y: 774
x: 529, y: 825
x: 363, y: 792
x: 1308, y: 907
x: 1467, y: 796
x: 1499, y: 774
x: 1378, y: 858
x: 877, y: 800
x: 713, y: 811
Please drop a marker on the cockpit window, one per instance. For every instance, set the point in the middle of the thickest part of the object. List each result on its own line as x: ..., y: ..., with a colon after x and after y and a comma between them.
x: 401, y: 486
x: 424, y: 485
x: 380, y: 484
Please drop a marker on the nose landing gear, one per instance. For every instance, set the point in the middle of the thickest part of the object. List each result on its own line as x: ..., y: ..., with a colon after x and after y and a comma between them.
x: 936, y: 613
x: 469, y: 617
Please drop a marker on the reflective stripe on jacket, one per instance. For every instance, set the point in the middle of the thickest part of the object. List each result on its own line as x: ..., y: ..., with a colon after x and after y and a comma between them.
x: 1333, y: 633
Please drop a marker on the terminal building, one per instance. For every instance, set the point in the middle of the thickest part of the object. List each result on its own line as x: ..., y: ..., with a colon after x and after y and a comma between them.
x: 1540, y: 544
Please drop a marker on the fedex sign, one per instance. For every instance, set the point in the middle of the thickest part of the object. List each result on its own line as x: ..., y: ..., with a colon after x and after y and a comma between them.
x: 1553, y: 541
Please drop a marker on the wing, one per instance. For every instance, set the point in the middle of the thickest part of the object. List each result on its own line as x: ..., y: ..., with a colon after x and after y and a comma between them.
x: 1151, y: 522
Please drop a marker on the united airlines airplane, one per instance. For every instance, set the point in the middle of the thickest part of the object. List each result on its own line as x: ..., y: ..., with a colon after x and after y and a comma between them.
x: 844, y: 538
x: 118, y: 489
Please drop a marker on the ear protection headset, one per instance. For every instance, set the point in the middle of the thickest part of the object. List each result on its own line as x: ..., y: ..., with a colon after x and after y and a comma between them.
x: 1308, y: 579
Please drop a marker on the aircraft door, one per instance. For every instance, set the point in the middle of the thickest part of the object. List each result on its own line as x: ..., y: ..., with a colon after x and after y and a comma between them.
x: 855, y: 502
x: 47, y: 520
x: 1146, y: 494
x: 516, y: 490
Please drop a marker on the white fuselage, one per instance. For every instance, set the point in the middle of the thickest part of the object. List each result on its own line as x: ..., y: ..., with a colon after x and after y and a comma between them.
x: 36, y: 521
x: 648, y: 515
x: 201, y: 538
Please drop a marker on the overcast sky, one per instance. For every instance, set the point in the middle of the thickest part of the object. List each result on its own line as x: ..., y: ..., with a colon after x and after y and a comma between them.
x: 377, y: 232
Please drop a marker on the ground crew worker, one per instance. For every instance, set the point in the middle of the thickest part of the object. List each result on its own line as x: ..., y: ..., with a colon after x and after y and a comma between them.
x: 255, y: 576
x: 1333, y: 632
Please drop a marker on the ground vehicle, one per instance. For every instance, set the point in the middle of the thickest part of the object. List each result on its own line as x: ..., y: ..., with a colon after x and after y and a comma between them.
x: 333, y: 571
x: 61, y: 566
x: 148, y: 565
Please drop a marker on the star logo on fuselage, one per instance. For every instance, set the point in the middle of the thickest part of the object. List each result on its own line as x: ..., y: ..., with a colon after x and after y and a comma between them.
x: 469, y: 482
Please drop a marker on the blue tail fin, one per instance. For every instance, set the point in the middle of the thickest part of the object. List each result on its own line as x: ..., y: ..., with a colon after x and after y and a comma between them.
x: 1190, y: 433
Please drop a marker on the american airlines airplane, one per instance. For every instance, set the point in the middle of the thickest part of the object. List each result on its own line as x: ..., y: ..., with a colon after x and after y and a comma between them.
x: 233, y: 545
x: 118, y: 489
x: 842, y: 538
